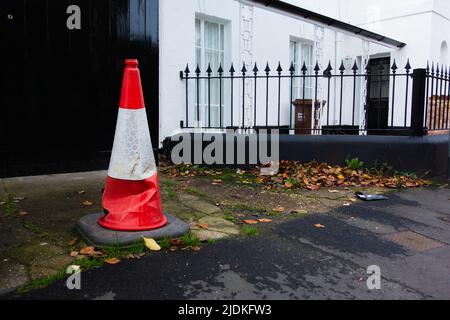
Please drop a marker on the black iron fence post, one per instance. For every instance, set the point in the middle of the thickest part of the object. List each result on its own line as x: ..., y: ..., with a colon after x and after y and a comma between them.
x: 448, y: 157
x: 418, y: 102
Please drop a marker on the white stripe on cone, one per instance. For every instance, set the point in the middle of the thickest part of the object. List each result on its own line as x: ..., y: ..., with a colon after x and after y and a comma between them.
x: 132, y: 155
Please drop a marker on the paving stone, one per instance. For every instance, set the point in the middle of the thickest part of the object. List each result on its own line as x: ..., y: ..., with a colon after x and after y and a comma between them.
x: 13, y: 275
x: 44, y: 268
x: 202, y: 206
x: 220, y: 225
x: 205, y: 235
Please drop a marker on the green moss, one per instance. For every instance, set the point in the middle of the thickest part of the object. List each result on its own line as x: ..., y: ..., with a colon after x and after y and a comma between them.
x: 164, y: 243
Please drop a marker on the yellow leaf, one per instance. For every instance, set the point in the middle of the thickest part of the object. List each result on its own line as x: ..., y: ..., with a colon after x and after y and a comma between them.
x: 340, y: 176
x: 151, y: 244
x: 112, y: 261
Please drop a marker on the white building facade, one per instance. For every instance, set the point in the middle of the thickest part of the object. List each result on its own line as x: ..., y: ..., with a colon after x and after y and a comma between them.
x: 221, y: 33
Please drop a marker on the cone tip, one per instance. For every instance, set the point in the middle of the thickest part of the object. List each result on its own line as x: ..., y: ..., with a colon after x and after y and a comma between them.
x: 131, y: 63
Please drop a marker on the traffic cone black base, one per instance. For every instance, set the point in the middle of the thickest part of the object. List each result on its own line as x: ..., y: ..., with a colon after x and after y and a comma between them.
x: 100, y: 237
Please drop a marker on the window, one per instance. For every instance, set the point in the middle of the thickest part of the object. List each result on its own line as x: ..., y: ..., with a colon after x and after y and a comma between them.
x: 209, y: 46
x: 302, y: 52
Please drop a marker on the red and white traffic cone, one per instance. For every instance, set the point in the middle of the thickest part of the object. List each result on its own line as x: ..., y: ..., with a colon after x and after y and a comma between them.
x: 131, y: 199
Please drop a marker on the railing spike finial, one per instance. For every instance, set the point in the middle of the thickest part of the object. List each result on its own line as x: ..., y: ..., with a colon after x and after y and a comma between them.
x: 394, y: 67
x: 232, y: 71
x: 220, y: 70
x: 209, y: 70
x: 304, y: 68
x: 292, y: 68
x: 328, y: 70
x: 342, y: 67
x: 355, y: 67
x: 279, y: 69
x: 267, y: 69
x: 255, y: 69
x: 408, y: 66
x: 317, y: 67
x: 437, y: 69
x: 197, y: 70
x: 432, y: 67
x: 187, y: 71
x: 244, y: 69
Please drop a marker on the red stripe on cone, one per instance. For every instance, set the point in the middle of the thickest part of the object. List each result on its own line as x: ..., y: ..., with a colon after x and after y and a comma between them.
x: 132, y: 205
x: 132, y: 96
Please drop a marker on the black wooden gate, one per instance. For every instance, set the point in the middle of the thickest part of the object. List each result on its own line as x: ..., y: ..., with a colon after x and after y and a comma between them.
x: 59, y: 89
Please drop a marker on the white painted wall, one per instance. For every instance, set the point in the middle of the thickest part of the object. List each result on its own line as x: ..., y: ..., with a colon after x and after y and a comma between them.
x: 422, y: 24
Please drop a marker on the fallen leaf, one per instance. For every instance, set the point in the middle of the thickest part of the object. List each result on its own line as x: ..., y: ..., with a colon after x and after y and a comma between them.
x: 130, y: 256
x: 72, y: 242
x: 87, y: 203
x: 241, y: 215
x: 250, y: 222
x: 112, y: 261
x: 151, y: 244
x: 23, y: 213
x: 90, y: 251
x: 202, y: 225
x: 81, y: 192
x: 333, y: 191
x: 353, y: 199
x: 288, y: 185
x: 74, y: 254
x: 320, y: 226
x: 278, y: 209
x: 347, y: 204
x: 217, y: 181
x: 313, y: 187
x: 341, y: 176
x: 265, y: 220
x: 196, y: 248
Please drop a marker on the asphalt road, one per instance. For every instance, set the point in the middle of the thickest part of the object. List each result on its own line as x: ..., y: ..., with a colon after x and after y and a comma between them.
x: 298, y: 261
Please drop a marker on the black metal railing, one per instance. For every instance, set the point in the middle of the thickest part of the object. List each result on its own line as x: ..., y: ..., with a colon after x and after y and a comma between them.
x: 437, y: 98
x: 375, y: 99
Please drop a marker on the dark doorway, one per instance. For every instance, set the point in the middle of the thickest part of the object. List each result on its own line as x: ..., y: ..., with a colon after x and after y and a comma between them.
x: 60, y: 88
x: 377, y: 111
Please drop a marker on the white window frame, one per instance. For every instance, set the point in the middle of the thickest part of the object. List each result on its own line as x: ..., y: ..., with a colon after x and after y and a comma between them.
x: 297, y: 60
x: 203, y: 64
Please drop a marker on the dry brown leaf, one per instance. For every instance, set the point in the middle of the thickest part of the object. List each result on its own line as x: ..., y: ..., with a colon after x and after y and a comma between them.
x: 313, y: 188
x: 72, y: 242
x: 320, y: 226
x: 173, y: 249
x: 333, y: 191
x: 278, y: 209
x: 265, y: 220
x: 288, y: 185
x: 250, y: 222
x: 112, y: 261
x: 88, y: 250
x: 23, y: 213
x: 74, y: 254
x: 202, y: 225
